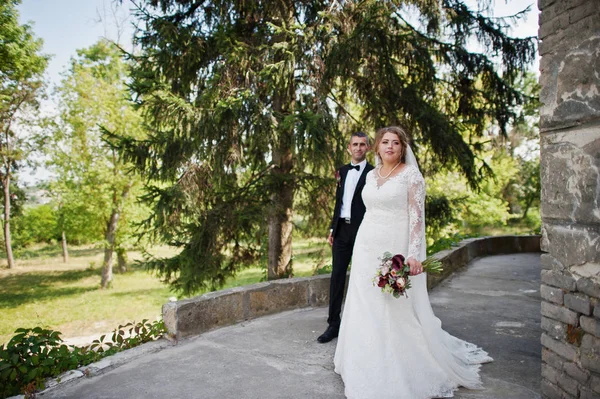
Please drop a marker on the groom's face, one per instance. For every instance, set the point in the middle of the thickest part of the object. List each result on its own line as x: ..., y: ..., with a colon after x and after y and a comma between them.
x: 358, y: 148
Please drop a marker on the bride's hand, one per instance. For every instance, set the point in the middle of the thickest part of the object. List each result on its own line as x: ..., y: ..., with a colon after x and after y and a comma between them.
x: 415, y: 266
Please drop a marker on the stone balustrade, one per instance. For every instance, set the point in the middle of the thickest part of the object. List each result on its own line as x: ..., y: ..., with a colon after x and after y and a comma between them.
x: 221, y: 308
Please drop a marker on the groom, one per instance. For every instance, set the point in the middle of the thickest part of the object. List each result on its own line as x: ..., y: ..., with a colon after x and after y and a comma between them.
x: 348, y: 213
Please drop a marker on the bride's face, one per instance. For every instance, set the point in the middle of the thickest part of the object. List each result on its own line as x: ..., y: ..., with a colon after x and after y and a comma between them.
x: 390, y: 148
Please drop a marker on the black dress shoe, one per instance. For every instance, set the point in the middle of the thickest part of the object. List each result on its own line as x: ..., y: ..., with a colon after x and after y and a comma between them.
x: 329, y: 334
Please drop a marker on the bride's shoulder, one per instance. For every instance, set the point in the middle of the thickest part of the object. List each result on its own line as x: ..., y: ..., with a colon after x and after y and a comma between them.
x: 411, y: 169
x: 413, y: 173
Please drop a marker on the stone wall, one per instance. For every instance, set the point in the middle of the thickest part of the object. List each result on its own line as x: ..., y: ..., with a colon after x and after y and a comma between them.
x: 217, y: 309
x: 570, y: 171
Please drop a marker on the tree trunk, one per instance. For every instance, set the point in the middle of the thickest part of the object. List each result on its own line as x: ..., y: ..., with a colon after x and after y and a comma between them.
x: 282, y: 199
x: 527, y: 206
x: 122, y: 259
x: 111, y: 233
x: 7, y: 240
x: 280, y: 218
x: 65, y: 251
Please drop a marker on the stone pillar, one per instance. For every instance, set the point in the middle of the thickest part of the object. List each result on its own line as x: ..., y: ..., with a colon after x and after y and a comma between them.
x: 570, y: 171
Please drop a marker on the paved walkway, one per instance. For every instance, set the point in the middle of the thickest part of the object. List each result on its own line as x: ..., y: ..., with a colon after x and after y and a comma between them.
x: 493, y: 303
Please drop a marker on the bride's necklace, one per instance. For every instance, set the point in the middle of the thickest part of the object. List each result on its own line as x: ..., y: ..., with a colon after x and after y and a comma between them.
x: 388, y: 175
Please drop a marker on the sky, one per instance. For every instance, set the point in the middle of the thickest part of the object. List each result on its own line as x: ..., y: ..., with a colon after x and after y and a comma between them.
x: 68, y: 25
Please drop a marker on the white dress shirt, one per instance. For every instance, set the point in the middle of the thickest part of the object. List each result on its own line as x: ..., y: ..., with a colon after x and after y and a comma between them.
x: 349, y: 187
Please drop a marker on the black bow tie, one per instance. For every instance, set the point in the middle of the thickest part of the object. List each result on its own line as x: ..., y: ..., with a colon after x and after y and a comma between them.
x: 357, y: 167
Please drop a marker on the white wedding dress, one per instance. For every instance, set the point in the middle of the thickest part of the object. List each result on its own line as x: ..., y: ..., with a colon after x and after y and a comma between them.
x: 395, y: 347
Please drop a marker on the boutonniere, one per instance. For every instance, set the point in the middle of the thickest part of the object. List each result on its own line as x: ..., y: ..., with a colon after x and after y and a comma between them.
x: 338, y: 178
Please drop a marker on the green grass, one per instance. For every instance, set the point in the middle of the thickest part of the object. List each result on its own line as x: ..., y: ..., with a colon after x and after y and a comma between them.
x: 43, y: 291
x: 70, y: 301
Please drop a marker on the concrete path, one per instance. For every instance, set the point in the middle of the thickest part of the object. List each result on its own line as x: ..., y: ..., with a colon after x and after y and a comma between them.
x: 493, y: 303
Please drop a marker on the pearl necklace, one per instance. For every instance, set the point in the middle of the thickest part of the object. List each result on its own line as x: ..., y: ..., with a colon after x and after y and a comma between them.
x: 388, y: 175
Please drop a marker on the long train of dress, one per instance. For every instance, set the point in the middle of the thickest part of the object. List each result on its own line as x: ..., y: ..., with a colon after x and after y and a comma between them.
x: 395, y: 347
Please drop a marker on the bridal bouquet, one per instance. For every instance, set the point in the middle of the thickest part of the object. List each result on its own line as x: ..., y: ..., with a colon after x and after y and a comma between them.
x: 393, y: 273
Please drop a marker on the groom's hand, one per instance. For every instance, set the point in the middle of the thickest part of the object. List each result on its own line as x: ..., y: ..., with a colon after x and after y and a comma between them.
x: 416, y: 267
x: 330, y: 238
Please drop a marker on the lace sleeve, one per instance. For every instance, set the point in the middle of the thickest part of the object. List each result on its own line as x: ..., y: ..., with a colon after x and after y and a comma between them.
x: 416, y: 215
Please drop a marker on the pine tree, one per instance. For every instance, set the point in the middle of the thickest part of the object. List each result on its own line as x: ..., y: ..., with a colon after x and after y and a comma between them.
x: 250, y: 104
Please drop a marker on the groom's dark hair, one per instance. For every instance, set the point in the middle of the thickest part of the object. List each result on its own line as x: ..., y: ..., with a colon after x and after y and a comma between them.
x: 361, y: 134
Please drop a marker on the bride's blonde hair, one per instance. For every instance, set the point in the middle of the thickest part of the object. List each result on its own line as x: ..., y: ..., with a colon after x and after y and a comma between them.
x: 402, y: 136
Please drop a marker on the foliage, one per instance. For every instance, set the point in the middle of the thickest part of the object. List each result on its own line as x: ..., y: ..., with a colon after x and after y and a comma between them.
x: 524, y: 189
x: 325, y: 269
x: 93, y: 95
x: 18, y: 198
x: 21, y: 70
x: 31, y: 356
x: 250, y: 104
x: 505, y: 200
x: 423, y: 76
x: 82, y: 221
x: 37, y: 225
x: 128, y: 336
x: 94, y: 192
x: 438, y: 214
x: 526, y: 126
x: 488, y: 206
x: 467, y: 210
x: 447, y: 242
x: 522, y: 144
x: 533, y: 221
x: 35, y: 354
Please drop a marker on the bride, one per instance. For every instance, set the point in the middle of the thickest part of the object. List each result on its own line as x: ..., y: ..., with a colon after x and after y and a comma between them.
x: 395, y: 347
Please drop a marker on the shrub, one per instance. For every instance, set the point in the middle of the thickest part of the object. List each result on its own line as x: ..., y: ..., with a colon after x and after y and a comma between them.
x: 31, y: 356
x: 35, y: 354
x: 35, y: 225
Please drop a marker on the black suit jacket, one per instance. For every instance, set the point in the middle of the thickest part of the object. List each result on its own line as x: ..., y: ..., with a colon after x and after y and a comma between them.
x: 357, y: 208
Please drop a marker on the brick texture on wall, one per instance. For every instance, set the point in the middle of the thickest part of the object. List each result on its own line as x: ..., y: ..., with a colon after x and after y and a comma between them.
x: 570, y: 171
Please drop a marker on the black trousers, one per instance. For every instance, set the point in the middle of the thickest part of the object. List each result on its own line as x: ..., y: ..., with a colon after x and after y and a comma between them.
x: 343, y: 243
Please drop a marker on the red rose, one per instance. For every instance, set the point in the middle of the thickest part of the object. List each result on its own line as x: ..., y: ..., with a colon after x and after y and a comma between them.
x: 397, y: 262
x: 382, y: 282
x: 338, y: 177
